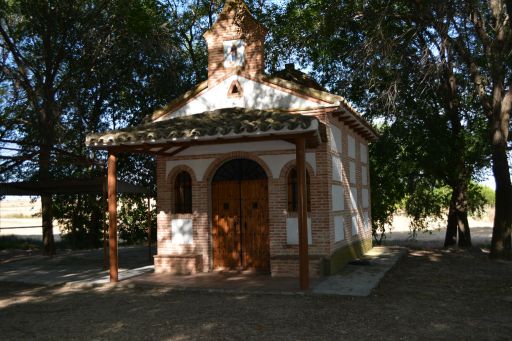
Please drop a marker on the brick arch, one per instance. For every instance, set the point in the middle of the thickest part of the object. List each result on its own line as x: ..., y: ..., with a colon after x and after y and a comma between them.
x: 210, y: 172
x: 178, y: 169
x: 171, y: 177
x: 290, y: 164
x: 283, y: 177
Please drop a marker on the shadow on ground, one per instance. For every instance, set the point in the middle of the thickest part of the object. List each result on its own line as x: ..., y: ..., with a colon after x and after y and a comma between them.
x: 430, y: 294
x: 69, y: 266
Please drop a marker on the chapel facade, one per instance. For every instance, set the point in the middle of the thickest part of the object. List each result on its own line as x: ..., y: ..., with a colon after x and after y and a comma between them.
x: 227, y: 180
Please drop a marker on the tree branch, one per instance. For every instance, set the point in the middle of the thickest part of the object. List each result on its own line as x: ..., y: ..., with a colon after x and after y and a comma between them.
x: 509, y: 12
x: 428, y: 18
x: 478, y: 79
x: 479, y: 21
x: 22, y: 66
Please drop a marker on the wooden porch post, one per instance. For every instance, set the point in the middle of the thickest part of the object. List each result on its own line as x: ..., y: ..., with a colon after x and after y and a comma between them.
x: 149, y: 229
x: 300, y: 145
x: 112, y: 216
x: 104, y: 202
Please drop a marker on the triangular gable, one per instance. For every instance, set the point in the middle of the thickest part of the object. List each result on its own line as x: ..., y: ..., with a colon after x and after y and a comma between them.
x: 179, y: 101
x: 258, y: 93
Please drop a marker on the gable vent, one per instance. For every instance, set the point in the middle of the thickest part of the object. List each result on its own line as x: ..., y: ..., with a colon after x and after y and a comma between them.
x: 235, y: 89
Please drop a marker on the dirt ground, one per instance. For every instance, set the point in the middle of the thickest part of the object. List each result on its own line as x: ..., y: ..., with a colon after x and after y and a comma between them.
x: 430, y: 294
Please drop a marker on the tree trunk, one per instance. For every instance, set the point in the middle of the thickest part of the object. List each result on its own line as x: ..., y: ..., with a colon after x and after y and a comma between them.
x: 46, y: 202
x: 458, y: 218
x: 459, y: 174
x: 501, y: 234
x: 462, y: 220
x: 97, y: 221
x: 450, y: 238
x: 463, y: 229
x: 46, y: 129
x: 499, y: 121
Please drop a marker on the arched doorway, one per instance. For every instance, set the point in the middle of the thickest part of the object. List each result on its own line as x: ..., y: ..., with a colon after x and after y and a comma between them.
x: 240, y: 216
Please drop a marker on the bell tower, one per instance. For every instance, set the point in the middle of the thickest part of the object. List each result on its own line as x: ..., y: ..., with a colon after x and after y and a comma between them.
x: 235, y: 43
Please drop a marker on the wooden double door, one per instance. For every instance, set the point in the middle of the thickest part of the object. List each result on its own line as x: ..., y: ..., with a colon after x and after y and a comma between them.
x: 240, y: 224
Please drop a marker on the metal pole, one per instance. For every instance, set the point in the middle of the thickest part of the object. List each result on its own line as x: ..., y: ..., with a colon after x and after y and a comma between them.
x: 300, y: 145
x: 112, y: 216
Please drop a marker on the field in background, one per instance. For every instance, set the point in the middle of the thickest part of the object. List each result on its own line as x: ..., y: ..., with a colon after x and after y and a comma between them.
x: 20, y: 212
x: 399, y: 232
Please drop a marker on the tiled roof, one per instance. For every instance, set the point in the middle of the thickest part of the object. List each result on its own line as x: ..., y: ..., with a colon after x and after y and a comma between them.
x: 293, y: 75
x: 219, y: 124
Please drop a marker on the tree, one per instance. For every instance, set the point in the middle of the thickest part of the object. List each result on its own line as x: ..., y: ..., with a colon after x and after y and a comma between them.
x: 35, y: 40
x: 76, y: 67
x: 481, y: 35
x: 404, y: 72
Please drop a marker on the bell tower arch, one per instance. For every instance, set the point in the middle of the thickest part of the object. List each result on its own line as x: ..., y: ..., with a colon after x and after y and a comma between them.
x: 235, y: 43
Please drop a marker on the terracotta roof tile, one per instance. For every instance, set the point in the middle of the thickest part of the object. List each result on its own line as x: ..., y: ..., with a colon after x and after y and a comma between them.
x: 229, y: 122
x: 293, y: 75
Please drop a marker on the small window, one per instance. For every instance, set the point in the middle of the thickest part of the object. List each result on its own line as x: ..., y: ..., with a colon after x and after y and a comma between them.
x: 235, y: 89
x: 293, y: 191
x: 183, y: 193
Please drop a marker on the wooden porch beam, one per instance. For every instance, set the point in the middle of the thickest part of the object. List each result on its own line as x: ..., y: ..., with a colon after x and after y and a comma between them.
x: 112, y: 217
x: 356, y: 121
x: 360, y: 131
x: 300, y: 145
x: 163, y: 149
x: 146, y: 148
x: 177, y: 151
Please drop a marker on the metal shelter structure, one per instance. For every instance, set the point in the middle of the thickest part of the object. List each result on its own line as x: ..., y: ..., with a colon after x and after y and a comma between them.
x: 88, y: 186
x: 94, y: 186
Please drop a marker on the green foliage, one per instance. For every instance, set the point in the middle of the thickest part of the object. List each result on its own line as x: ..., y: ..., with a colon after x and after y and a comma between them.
x: 433, y: 202
x: 426, y: 202
x: 82, y: 218
x: 488, y: 194
x: 112, y: 63
x: 387, y: 182
x: 134, y: 220
x: 395, y: 64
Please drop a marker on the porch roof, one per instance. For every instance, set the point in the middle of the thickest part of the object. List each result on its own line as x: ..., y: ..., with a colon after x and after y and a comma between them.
x: 218, y: 126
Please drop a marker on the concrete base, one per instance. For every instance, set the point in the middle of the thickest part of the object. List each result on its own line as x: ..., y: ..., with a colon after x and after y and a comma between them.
x: 185, y: 264
x: 288, y: 266
x: 345, y: 254
x: 360, y: 280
